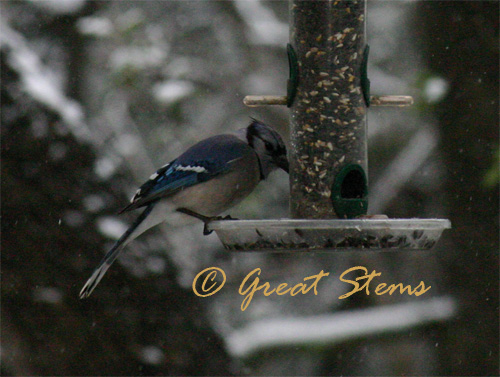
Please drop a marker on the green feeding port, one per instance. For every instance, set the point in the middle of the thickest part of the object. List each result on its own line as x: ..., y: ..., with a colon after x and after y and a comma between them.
x: 349, y: 192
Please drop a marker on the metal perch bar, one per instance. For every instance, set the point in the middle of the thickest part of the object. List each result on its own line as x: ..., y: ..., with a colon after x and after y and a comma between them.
x: 269, y: 100
x: 398, y: 101
x: 255, y: 101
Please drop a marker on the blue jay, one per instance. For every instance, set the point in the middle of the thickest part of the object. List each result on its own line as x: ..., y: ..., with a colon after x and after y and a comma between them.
x: 206, y: 180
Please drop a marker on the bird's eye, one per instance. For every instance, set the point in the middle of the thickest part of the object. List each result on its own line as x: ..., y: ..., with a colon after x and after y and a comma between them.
x: 269, y: 146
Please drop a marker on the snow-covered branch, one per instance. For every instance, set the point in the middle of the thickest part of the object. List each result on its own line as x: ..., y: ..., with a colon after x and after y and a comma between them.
x: 39, y: 81
x: 335, y: 328
x: 401, y: 169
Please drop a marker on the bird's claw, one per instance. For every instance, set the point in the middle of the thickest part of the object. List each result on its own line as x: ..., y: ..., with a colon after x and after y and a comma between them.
x: 228, y: 217
x: 207, y: 231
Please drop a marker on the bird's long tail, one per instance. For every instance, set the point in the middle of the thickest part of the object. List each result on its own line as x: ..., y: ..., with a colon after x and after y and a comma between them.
x: 112, y: 254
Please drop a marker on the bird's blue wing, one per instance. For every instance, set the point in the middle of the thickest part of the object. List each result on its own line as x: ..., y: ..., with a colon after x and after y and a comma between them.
x: 167, y: 181
x: 203, y: 161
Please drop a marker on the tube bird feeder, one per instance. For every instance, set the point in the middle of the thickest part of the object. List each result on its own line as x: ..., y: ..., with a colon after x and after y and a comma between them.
x: 328, y: 95
x: 328, y: 159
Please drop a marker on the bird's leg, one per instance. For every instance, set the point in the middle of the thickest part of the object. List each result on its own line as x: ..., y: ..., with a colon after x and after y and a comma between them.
x: 188, y: 212
x: 205, y: 219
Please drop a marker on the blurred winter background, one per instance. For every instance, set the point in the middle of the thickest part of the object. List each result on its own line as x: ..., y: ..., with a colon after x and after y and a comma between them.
x: 98, y: 94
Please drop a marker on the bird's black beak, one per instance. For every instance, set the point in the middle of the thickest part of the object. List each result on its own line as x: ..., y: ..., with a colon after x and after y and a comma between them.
x: 282, y: 162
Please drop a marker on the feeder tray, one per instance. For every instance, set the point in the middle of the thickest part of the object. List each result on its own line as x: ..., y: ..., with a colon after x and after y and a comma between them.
x: 302, y: 235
